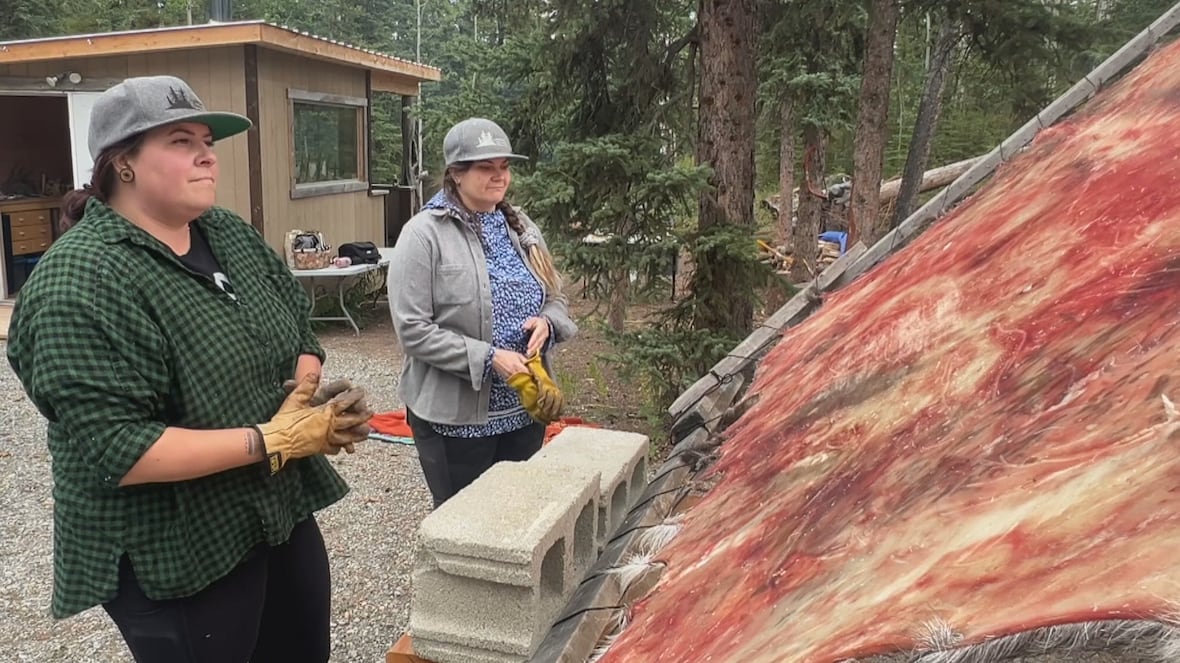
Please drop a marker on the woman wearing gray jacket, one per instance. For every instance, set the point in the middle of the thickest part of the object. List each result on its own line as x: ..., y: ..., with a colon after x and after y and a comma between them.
x: 474, y: 296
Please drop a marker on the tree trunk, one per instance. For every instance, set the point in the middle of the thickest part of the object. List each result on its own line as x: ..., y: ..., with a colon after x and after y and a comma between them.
x: 685, y: 273
x: 686, y: 269
x: 872, y: 122
x: 929, y: 109
x: 616, y: 311
x: 786, y: 173
x: 777, y: 294
x: 725, y: 141
x: 805, y: 238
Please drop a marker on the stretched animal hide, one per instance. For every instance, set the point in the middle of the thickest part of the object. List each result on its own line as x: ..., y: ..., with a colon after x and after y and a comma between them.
x: 979, y: 434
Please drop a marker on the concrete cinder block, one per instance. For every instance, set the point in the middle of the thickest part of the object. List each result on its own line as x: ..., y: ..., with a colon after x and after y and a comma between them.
x: 439, y: 651
x: 496, y: 563
x: 620, y: 459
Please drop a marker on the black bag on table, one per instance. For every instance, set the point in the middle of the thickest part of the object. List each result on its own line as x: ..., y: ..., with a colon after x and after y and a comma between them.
x: 361, y: 253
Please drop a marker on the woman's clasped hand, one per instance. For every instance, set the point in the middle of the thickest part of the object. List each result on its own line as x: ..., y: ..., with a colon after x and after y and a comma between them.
x: 315, y: 420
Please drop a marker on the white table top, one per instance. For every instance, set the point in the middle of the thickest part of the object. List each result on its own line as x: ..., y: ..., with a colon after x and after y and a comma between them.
x: 351, y: 270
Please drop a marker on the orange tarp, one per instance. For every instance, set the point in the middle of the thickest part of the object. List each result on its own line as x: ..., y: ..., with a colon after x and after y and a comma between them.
x: 394, y: 423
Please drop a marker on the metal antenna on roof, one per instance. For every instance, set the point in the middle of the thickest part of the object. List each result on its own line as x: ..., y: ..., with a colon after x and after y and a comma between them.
x: 418, y: 172
x: 220, y: 11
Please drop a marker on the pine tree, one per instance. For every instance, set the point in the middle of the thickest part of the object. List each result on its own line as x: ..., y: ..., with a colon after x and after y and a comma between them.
x: 724, y: 279
x: 604, y: 96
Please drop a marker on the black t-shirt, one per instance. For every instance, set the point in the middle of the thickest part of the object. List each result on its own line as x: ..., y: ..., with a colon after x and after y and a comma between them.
x: 201, y: 260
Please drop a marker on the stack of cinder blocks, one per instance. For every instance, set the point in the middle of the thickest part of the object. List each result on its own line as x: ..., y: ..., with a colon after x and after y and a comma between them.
x: 497, y: 562
x: 620, y: 459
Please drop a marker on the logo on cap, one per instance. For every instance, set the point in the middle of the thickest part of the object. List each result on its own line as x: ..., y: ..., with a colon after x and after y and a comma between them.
x: 486, y: 140
x: 177, y: 98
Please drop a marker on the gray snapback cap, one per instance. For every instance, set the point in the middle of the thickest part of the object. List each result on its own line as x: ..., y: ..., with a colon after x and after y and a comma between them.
x: 147, y: 102
x: 477, y: 139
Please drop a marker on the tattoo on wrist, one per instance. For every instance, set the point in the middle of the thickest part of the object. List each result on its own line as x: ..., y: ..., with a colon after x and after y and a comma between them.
x: 254, y: 442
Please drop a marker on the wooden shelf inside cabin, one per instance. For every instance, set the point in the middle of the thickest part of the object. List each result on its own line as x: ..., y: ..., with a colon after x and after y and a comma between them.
x: 28, y: 230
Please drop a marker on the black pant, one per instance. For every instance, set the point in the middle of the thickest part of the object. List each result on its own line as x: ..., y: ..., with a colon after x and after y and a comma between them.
x: 274, y: 607
x: 450, y: 464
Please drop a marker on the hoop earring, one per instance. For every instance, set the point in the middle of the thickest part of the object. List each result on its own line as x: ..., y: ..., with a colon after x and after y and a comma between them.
x: 126, y: 174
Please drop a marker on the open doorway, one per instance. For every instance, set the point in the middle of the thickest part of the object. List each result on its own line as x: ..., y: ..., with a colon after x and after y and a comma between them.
x: 39, y: 163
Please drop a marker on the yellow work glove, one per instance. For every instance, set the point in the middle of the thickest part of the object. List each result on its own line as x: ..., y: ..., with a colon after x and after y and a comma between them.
x: 327, y: 392
x: 524, y: 384
x: 299, y: 429
x: 549, y: 397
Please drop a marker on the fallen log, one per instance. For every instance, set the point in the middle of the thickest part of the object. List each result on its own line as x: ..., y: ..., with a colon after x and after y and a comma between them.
x: 932, y: 179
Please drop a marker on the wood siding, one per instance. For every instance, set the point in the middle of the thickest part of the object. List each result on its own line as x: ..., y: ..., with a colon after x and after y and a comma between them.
x: 216, y: 74
x: 341, y: 217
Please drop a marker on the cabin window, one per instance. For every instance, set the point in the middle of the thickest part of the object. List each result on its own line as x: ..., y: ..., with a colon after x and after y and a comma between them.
x: 327, y: 144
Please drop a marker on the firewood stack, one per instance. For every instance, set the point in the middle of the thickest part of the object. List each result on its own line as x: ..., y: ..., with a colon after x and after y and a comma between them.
x: 779, y: 258
x: 828, y: 252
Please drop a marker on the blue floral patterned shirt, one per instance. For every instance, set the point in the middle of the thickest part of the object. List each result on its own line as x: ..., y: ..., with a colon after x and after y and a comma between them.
x: 516, y: 297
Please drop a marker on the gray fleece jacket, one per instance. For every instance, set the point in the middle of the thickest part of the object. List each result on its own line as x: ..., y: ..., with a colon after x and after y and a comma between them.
x: 441, y: 303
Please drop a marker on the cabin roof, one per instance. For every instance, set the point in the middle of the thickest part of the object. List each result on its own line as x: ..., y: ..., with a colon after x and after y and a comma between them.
x: 389, y: 69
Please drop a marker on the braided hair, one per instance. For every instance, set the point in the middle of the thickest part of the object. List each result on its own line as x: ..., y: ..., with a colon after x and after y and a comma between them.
x: 539, y: 258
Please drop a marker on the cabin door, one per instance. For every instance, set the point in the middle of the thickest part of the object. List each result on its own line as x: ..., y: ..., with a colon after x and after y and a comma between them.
x: 80, y: 105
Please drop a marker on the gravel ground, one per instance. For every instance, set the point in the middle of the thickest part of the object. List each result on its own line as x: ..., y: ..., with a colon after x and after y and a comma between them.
x: 370, y: 533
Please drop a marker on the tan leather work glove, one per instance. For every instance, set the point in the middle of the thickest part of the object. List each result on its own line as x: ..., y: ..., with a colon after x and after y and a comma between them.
x: 325, y: 393
x: 550, y: 400
x: 526, y: 386
x: 299, y: 430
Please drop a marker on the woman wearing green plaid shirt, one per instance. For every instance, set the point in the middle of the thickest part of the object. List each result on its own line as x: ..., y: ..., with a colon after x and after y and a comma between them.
x: 170, y: 350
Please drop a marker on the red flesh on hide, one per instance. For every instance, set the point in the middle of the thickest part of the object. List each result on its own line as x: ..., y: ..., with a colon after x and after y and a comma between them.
x: 975, y: 432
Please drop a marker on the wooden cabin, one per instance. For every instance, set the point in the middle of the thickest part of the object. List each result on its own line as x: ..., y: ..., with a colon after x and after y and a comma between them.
x: 305, y: 164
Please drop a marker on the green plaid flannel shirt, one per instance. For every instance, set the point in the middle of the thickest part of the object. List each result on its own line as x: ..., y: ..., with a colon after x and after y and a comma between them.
x: 114, y: 339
